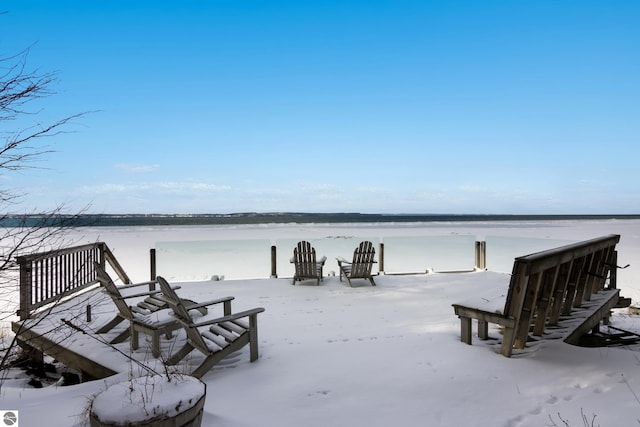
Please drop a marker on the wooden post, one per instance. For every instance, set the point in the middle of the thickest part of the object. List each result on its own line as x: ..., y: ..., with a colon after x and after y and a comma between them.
x: 507, y: 341
x: 483, y: 329
x: 478, y: 261
x: 25, y: 288
x: 153, y: 272
x: 152, y: 263
x: 483, y: 246
x: 253, y: 334
x: 613, y: 271
x: 381, y: 256
x: 481, y: 255
x: 274, y: 273
x: 465, y: 330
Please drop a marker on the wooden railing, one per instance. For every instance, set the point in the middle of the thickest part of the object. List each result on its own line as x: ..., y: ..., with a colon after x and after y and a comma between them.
x: 545, y: 286
x: 480, y: 259
x: 48, y: 276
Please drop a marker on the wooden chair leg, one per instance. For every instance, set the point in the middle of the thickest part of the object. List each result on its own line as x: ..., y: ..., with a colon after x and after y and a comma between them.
x: 253, y: 337
x: 113, y: 323
x: 155, y: 344
x: 120, y: 338
x: 483, y: 329
x: 134, y: 339
x: 508, y: 337
x: 465, y: 330
x: 181, y: 354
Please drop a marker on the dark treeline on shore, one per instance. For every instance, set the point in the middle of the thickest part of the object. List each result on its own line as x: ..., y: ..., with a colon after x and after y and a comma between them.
x: 107, y: 220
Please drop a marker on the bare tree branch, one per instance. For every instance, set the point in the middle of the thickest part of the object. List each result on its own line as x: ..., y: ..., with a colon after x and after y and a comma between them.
x: 19, y: 149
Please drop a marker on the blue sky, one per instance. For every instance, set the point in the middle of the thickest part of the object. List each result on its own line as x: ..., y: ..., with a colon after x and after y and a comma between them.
x: 331, y: 106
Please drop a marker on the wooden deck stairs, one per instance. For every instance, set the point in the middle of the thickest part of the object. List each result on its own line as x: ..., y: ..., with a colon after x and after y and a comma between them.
x: 564, y: 292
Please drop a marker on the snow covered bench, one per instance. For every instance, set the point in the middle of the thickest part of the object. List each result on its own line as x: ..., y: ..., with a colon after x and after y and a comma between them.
x: 545, y: 286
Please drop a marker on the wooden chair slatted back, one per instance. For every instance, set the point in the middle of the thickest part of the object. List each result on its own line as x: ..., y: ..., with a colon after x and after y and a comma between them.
x: 183, y: 316
x: 305, y: 260
x: 363, y: 259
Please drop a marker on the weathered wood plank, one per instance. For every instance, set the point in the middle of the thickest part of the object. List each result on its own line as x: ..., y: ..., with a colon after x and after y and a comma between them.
x: 574, y: 276
x: 545, y: 285
x: 487, y: 316
x: 49, y: 276
x: 581, y: 284
x: 543, y: 304
x: 610, y: 300
x: 66, y: 356
x: 561, y: 289
x: 526, y: 312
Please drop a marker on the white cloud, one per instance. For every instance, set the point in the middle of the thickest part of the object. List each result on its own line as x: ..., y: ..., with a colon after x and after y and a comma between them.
x: 175, y: 187
x: 136, y: 167
x: 192, y: 186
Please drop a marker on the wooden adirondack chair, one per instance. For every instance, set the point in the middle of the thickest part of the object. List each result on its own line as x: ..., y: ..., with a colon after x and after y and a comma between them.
x: 215, y: 338
x: 149, y: 321
x: 360, y: 266
x: 151, y: 316
x: 306, y: 265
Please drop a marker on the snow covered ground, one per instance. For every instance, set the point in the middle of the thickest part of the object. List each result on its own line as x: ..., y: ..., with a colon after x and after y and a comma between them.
x: 384, y: 355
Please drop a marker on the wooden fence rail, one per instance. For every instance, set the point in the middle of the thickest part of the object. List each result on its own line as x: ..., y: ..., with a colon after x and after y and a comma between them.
x: 480, y: 259
x: 48, y: 276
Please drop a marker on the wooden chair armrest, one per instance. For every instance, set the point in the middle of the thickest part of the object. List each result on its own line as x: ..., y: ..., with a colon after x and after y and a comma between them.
x: 486, y: 316
x: 140, y: 294
x: 208, y: 303
x: 342, y: 260
x: 135, y: 285
x: 322, y: 260
x: 235, y: 316
x: 196, y: 305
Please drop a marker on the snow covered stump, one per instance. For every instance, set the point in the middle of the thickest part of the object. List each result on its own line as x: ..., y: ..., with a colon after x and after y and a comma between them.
x: 152, y: 400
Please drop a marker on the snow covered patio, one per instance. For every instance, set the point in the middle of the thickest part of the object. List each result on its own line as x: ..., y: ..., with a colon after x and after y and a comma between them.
x: 378, y: 356
x: 332, y: 354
